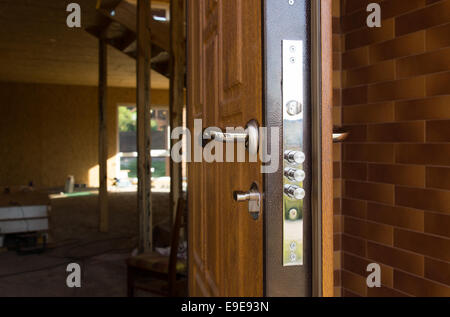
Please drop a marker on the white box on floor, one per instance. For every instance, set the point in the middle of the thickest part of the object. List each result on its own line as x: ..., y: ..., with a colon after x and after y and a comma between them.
x: 22, y: 219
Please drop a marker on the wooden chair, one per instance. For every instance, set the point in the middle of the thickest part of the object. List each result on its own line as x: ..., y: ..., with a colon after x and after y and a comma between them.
x: 160, y: 274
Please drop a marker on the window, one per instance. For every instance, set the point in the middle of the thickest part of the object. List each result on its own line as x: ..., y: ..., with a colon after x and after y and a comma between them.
x: 160, y: 148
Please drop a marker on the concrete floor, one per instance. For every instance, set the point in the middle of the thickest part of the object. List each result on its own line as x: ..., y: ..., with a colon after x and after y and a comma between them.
x: 75, y: 239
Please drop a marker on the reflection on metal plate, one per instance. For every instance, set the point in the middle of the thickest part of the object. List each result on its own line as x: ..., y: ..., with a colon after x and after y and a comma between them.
x: 294, y: 156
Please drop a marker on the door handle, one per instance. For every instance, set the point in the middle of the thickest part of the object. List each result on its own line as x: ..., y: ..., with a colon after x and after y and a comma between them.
x: 250, y: 136
x: 253, y: 197
x: 339, y: 135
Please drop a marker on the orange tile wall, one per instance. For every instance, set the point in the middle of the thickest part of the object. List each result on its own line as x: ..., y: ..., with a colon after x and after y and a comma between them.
x: 392, y: 186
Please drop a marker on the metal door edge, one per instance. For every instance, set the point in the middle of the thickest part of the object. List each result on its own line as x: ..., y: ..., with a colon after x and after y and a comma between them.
x: 285, y: 20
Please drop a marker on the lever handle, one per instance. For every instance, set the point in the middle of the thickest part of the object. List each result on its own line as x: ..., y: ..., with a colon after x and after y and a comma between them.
x: 250, y: 136
x: 339, y: 135
x: 226, y: 137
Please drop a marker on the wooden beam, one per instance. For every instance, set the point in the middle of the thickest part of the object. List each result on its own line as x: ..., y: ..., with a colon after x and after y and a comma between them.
x: 107, y: 4
x: 127, y: 40
x: 160, y: 34
x: 143, y: 126
x: 177, y: 71
x: 125, y: 14
x: 103, y: 136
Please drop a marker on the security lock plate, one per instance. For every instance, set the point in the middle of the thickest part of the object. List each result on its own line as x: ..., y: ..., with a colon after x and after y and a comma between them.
x: 293, y: 152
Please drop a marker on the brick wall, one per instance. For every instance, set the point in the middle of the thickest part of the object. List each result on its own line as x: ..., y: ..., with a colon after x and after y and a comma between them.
x: 392, y: 92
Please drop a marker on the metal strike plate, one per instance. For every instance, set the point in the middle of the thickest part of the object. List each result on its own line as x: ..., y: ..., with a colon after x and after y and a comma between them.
x: 293, y: 153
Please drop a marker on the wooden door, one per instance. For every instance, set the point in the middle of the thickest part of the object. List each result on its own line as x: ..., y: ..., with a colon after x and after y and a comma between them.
x: 224, y: 90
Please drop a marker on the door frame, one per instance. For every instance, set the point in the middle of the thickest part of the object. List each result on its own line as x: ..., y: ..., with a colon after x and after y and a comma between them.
x: 323, y: 284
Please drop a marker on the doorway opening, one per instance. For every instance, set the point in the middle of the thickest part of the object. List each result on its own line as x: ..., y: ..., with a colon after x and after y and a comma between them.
x: 127, y: 156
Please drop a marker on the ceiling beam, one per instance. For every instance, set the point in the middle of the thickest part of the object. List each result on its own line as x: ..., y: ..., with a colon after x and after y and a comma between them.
x: 125, y: 14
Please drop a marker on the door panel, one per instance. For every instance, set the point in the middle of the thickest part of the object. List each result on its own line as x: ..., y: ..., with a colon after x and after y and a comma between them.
x: 225, y: 90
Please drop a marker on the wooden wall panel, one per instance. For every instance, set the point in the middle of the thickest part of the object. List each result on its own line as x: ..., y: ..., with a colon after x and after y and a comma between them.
x: 51, y: 131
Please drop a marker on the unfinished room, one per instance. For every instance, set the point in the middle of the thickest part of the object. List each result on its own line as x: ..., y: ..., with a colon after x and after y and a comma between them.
x: 71, y: 130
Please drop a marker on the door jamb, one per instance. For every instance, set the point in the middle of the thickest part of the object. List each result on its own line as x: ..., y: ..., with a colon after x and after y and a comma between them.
x: 324, y: 282
x: 316, y: 99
